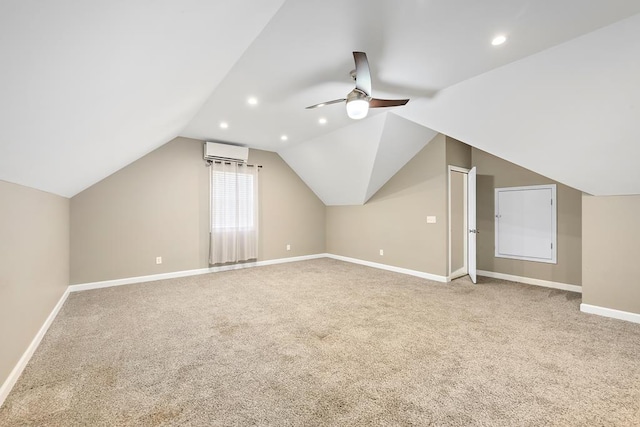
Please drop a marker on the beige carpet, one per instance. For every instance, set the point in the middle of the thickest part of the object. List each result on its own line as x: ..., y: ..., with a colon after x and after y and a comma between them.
x: 324, y: 342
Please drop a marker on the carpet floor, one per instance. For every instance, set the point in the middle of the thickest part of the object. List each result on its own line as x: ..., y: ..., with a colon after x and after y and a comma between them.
x: 324, y: 342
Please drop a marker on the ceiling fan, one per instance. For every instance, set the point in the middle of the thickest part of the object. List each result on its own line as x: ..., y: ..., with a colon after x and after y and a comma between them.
x: 359, y: 100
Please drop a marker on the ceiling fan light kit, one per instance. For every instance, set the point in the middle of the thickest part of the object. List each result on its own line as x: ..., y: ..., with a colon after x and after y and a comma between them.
x: 357, y: 105
x: 359, y: 100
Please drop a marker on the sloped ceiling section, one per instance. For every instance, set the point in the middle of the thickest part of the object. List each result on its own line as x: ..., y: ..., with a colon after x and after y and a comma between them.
x: 400, y: 141
x: 415, y: 49
x: 347, y: 166
x: 570, y: 112
x: 88, y: 87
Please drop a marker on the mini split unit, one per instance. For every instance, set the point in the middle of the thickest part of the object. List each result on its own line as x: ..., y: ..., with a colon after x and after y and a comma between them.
x: 218, y: 151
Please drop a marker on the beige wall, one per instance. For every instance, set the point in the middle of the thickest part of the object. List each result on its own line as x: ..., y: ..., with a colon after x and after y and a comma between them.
x: 494, y: 172
x: 34, y: 265
x: 395, y: 218
x: 610, y: 249
x: 458, y: 153
x: 159, y: 206
x: 290, y: 213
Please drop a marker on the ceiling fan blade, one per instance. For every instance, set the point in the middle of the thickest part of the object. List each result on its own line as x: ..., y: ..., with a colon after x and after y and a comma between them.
x: 378, y: 103
x: 322, y: 104
x: 363, y: 75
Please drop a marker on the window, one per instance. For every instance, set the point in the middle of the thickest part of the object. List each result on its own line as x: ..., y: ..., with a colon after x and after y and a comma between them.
x: 525, y: 223
x: 234, y: 213
x: 233, y: 201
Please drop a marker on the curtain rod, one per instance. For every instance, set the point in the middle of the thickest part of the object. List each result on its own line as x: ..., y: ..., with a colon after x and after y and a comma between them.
x: 228, y: 163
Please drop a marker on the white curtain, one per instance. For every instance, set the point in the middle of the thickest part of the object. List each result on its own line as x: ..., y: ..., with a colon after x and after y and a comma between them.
x: 234, y: 213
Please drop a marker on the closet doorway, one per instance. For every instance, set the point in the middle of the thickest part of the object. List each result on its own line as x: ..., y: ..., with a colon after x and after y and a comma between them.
x: 462, y: 222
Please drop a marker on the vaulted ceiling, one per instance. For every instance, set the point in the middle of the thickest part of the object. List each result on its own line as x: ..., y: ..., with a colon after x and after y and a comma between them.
x: 87, y: 88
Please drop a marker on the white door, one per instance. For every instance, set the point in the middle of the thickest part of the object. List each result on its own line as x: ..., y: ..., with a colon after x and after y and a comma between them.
x: 471, y: 221
x: 458, y: 227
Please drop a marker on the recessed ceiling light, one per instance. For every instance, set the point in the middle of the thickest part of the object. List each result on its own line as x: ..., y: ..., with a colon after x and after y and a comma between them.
x: 284, y: 137
x: 498, y: 40
x: 224, y: 125
x: 252, y: 101
x: 322, y: 120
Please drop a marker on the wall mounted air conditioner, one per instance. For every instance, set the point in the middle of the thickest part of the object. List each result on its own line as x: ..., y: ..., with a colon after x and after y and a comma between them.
x: 218, y: 151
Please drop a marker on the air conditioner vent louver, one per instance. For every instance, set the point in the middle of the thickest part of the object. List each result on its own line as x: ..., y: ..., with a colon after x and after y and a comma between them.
x: 218, y: 151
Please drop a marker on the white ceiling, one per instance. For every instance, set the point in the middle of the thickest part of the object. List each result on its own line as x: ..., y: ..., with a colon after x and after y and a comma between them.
x: 570, y: 112
x: 86, y: 88
x: 348, y: 166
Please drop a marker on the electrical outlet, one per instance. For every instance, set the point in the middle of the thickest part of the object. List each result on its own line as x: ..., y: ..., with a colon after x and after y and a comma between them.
x: 381, y: 252
x: 158, y: 260
x: 431, y: 220
x: 288, y: 247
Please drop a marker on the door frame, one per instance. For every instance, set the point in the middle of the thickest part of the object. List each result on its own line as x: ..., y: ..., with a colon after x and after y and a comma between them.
x: 465, y: 269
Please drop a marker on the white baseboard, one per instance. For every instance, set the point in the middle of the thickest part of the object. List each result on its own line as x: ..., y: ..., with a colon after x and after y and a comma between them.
x: 186, y: 273
x: 531, y: 281
x: 6, y: 387
x: 610, y: 312
x: 416, y: 273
